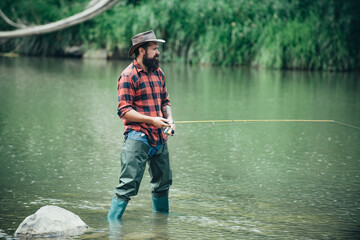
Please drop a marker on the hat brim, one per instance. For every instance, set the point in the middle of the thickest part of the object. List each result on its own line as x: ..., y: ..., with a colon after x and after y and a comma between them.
x: 132, y: 49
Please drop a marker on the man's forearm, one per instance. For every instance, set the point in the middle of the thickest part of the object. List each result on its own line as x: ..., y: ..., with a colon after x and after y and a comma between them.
x: 134, y: 116
x: 166, y: 110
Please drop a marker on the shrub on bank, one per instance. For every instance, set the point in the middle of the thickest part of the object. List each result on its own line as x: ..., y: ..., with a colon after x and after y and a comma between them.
x: 317, y: 35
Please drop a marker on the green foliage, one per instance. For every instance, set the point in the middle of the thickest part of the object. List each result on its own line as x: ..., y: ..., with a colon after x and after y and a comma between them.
x: 299, y: 34
x: 40, y: 12
x: 305, y: 43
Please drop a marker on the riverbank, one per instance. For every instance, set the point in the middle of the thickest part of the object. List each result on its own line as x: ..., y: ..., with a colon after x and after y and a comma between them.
x: 313, y: 35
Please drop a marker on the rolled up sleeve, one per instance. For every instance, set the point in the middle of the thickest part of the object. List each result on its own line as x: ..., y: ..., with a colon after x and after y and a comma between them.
x: 165, y: 101
x: 165, y: 96
x: 125, y: 95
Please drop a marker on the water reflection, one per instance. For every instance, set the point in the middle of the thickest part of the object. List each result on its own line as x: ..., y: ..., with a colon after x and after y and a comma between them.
x: 158, y: 228
x: 115, y: 229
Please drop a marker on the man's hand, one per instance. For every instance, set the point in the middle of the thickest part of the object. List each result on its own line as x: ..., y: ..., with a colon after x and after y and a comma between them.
x: 160, y: 122
x: 173, y: 126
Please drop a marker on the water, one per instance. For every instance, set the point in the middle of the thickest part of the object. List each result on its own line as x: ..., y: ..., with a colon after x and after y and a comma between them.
x: 60, y: 140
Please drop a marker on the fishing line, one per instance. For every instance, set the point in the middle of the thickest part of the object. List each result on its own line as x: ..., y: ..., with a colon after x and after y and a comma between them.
x: 268, y: 120
x: 348, y: 125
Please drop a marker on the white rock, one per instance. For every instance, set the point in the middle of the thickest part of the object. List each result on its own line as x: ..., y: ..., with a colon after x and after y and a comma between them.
x: 51, y: 221
x: 96, y: 54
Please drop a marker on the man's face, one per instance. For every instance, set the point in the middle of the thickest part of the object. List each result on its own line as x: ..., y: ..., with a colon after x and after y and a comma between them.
x: 151, y: 57
x: 153, y: 51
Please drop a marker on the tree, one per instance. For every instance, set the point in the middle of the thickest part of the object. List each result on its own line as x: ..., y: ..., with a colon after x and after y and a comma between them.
x: 89, y: 13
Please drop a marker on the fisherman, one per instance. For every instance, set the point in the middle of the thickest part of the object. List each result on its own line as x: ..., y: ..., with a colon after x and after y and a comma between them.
x: 144, y: 107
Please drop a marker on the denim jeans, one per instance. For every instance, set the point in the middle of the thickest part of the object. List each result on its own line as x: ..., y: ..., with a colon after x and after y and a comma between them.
x: 142, y: 137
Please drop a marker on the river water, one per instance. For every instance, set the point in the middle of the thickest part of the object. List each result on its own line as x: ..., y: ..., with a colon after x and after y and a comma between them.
x: 60, y: 140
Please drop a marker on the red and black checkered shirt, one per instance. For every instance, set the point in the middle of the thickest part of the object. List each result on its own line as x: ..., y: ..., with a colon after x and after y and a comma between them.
x: 144, y: 92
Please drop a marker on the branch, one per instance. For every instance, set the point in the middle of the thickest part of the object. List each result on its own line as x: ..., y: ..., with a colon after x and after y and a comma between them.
x: 99, y: 7
x: 11, y: 23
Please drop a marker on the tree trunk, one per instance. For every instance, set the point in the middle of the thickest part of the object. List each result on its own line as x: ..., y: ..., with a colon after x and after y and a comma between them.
x: 85, y: 15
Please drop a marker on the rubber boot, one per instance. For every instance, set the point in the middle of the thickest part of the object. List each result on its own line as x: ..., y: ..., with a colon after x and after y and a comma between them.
x: 117, y: 209
x: 161, y: 204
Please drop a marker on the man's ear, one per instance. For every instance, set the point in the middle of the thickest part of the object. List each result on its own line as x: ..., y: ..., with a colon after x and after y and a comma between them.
x: 142, y: 51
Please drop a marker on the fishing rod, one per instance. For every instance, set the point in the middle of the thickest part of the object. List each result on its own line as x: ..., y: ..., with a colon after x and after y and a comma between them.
x: 171, y: 132
x: 245, y: 121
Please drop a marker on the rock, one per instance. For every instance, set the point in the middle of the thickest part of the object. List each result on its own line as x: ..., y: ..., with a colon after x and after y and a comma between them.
x: 119, y: 54
x: 96, y: 54
x: 3, y: 235
x: 73, y: 51
x: 51, y: 221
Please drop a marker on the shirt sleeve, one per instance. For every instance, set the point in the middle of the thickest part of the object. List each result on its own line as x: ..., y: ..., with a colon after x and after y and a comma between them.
x: 125, y: 89
x: 165, y: 96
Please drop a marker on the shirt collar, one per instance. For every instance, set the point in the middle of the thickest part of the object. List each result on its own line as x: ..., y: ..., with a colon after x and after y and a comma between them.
x: 137, y: 66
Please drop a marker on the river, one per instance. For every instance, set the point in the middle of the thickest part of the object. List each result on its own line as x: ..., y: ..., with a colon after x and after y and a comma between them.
x: 60, y: 141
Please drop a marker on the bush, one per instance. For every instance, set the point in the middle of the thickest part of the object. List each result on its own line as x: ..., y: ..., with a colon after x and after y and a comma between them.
x: 315, y: 35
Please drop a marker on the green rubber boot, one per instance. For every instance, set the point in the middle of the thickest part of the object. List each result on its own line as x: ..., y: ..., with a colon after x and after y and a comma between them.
x: 117, y: 209
x: 160, y: 204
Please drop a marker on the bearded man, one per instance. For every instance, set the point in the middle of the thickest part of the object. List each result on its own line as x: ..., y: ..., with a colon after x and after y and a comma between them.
x: 144, y: 107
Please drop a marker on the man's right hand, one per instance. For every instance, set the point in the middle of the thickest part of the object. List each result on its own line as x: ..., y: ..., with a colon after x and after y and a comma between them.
x: 160, y: 122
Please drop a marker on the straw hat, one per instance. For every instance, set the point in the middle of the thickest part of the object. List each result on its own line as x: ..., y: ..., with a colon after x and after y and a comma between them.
x: 141, y: 38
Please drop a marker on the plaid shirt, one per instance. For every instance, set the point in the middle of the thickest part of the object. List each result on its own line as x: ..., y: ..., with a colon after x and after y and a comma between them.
x: 145, y: 93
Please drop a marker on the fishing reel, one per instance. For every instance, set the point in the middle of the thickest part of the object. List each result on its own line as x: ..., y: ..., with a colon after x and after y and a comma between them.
x: 168, y: 130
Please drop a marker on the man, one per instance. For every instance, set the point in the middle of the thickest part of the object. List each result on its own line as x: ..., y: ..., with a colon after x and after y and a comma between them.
x: 144, y: 107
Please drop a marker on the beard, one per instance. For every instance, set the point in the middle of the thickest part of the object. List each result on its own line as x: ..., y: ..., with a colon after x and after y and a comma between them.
x: 151, y: 63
